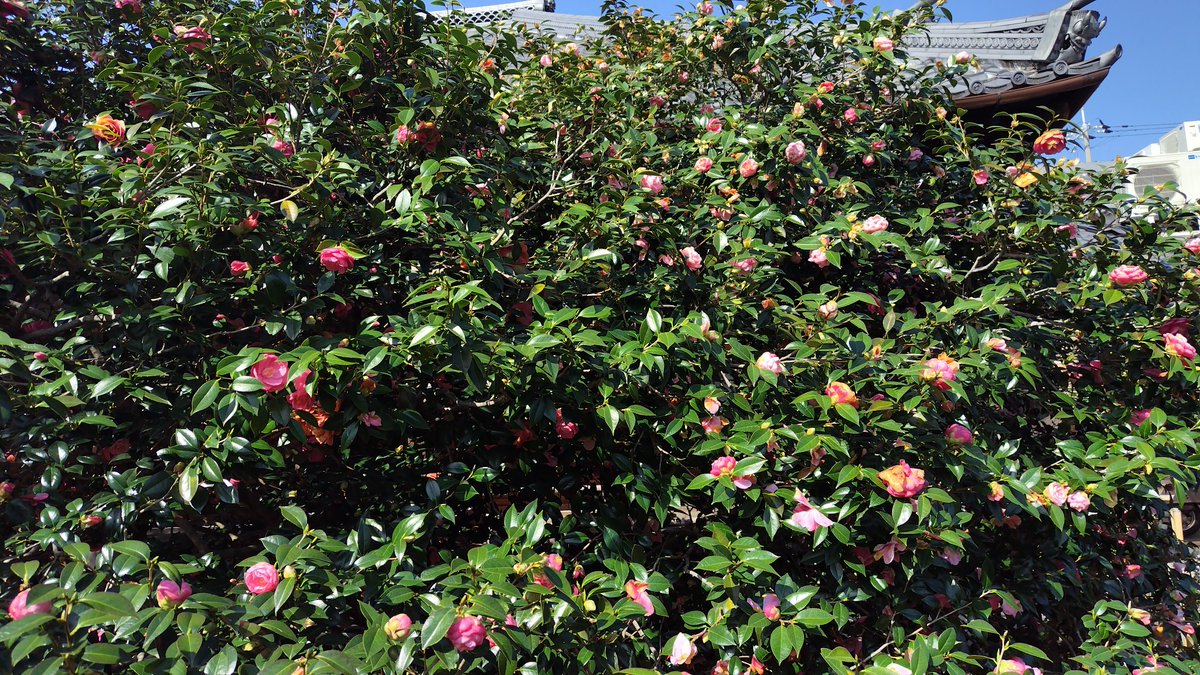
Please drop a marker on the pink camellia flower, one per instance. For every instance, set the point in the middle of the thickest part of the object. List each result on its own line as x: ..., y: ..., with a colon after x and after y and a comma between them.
x: 194, y: 38
x: 914, y: 155
x: 756, y: 667
x: 271, y: 372
x: 170, y: 594
x: 770, y: 606
x: 652, y: 183
x: 1193, y: 245
x: 398, y: 627
x: 1079, y: 501
x: 724, y: 466
x: 868, y: 161
x: 706, y: 8
x: 952, y: 556
x: 636, y: 591
x: 566, y: 430
x: 712, y: 405
x: 795, y: 152
x: 981, y: 177
x: 770, y: 363
x: 957, y: 434
x: 300, y: 399
x: 902, y: 480
x: 262, y: 578
x: 1178, y: 346
x: 691, y: 258
x: 683, y: 650
x: 840, y: 393
x: 715, y: 125
x: 875, y: 224
x: 882, y: 44
x: 370, y: 419
x: 1128, y: 275
x: 817, y: 256
x: 806, y: 516
x: 147, y: 150
x: 996, y: 344
x: 962, y: 58
x: 1139, y: 416
x: 283, y: 146
x: 851, y: 115
x: 828, y: 310
x: 134, y: 6
x: 745, y: 265
x: 1011, y: 667
x: 546, y: 61
x: 238, y: 268
x: 1057, y: 493
x: 657, y: 101
x: 19, y: 607
x: 337, y: 259
x: 940, y: 371
x: 713, y: 425
x: 748, y: 168
x: 555, y: 562
x: 467, y: 633
x: 1051, y: 142
x: 40, y: 356
x: 1132, y: 572
x: 703, y: 165
x: 1072, y: 229
x: 404, y: 134
x: 889, y: 551
x: 666, y: 260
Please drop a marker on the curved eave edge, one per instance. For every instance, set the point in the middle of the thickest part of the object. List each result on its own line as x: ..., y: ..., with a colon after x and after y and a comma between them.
x: 1001, y: 87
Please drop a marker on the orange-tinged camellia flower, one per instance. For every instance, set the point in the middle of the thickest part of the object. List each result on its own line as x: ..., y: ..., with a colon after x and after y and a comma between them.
x: 108, y: 129
x: 840, y: 392
x: 902, y: 480
x: 636, y: 591
x: 1051, y: 142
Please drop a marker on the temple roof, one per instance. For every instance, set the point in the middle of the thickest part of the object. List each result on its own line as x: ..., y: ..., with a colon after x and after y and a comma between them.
x: 1024, y: 63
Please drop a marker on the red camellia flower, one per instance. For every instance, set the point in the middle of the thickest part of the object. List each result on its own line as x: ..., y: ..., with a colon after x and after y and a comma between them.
x: 271, y: 372
x: 108, y: 130
x: 134, y: 6
x: 17, y: 9
x: 337, y: 259
x: 566, y: 430
x: 262, y: 578
x: 238, y: 268
x: 1051, y: 142
x: 283, y: 146
x: 903, y: 481
x: 194, y: 38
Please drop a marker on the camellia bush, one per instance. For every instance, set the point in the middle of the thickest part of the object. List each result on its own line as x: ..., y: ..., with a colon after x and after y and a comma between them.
x: 337, y: 338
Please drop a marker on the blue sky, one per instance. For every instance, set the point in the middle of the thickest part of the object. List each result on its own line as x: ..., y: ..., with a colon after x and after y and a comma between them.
x: 1154, y: 86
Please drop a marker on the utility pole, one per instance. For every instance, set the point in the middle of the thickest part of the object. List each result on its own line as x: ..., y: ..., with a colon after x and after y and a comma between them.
x: 1087, y: 136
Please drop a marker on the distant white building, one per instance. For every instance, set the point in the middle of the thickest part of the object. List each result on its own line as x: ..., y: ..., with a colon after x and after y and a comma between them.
x: 1175, y: 158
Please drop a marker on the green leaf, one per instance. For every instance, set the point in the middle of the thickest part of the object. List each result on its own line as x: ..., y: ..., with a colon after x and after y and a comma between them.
x: 107, y: 385
x: 115, y: 604
x: 205, y: 395
x: 437, y: 625
x: 169, y: 206
x: 296, y: 516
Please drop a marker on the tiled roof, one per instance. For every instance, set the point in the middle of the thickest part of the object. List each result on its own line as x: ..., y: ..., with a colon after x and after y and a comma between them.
x: 1012, y: 53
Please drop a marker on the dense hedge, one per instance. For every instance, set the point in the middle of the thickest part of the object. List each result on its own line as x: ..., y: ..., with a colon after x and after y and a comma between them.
x: 337, y: 339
